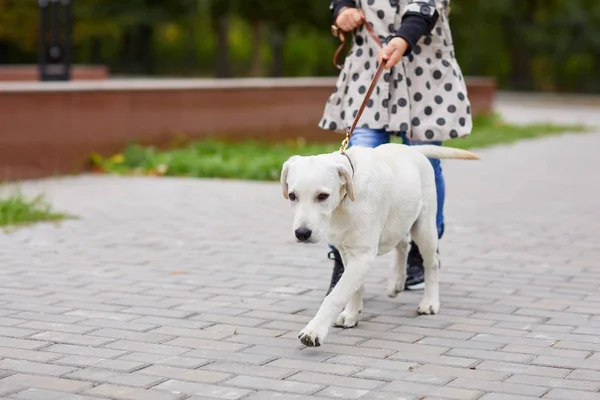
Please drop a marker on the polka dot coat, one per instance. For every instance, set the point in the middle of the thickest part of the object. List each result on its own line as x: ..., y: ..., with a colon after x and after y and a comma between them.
x: 424, y: 95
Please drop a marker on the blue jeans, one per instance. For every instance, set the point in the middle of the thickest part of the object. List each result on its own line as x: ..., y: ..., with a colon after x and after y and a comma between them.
x: 374, y: 137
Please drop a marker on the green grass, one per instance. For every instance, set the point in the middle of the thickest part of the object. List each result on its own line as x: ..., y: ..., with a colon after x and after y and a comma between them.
x: 16, y: 210
x: 255, y: 160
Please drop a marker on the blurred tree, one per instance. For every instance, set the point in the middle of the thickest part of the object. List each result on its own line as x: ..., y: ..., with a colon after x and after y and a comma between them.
x: 533, y: 44
x: 18, y: 28
x: 279, y: 17
x: 135, y: 21
x: 309, y: 14
x: 219, y: 12
x: 256, y: 13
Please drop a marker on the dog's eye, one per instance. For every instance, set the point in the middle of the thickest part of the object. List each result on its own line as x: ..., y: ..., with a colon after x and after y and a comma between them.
x: 322, y: 196
x: 292, y: 196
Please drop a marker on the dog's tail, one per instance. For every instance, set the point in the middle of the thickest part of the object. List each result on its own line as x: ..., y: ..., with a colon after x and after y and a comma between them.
x: 431, y: 151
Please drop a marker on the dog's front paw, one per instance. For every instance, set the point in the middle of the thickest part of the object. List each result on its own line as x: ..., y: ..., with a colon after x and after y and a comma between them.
x: 347, y: 319
x: 428, y: 307
x: 395, y: 286
x: 312, y: 335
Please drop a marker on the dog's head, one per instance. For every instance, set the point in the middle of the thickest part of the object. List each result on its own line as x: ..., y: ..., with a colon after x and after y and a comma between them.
x: 315, y: 186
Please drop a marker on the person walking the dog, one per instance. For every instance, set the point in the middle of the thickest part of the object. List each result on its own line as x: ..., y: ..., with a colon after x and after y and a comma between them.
x: 421, y: 96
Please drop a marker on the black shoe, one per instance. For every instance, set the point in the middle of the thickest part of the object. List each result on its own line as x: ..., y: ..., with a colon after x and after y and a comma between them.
x: 338, y: 268
x: 415, y: 274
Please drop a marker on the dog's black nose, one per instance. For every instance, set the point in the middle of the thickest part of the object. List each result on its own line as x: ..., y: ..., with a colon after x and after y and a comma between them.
x: 303, y: 234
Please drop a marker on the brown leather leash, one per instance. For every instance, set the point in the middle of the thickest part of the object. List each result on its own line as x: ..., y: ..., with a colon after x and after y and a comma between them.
x: 337, y: 32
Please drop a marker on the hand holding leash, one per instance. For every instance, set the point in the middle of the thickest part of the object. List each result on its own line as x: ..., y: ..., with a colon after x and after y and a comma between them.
x: 340, y: 34
x: 392, y: 53
x: 349, y: 19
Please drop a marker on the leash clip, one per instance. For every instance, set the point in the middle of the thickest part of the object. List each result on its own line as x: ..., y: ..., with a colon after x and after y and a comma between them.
x: 345, y: 142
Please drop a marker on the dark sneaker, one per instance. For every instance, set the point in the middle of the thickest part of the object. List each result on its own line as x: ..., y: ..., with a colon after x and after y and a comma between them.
x: 415, y: 274
x: 338, y: 268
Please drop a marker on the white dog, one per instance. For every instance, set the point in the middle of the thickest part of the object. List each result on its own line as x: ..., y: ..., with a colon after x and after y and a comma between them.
x: 368, y: 201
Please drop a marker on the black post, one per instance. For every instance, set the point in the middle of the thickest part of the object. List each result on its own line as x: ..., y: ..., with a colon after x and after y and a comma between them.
x: 55, y: 40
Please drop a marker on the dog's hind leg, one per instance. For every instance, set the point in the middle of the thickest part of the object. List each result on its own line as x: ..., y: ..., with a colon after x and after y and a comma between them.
x: 349, y: 317
x: 424, y: 233
x: 398, y: 278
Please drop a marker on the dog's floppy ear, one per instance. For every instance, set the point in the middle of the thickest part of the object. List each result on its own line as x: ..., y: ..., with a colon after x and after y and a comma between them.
x: 284, y: 174
x: 347, y: 175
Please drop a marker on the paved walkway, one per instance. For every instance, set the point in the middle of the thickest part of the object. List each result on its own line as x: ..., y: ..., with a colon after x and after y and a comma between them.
x: 194, y: 289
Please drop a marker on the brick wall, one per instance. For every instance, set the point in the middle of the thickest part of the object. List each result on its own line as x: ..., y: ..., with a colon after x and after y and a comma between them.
x: 53, y: 127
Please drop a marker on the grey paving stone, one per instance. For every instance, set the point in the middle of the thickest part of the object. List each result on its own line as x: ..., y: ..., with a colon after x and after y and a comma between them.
x: 29, y: 355
x: 341, y: 392
x: 41, y: 394
x: 562, y: 362
x: 115, y: 365
x: 393, y: 396
x: 326, y: 379
x: 223, y: 329
x: 592, y: 386
x: 504, y: 396
x: 220, y: 392
x: 129, y: 393
x: 195, y: 343
x: 171, y: 322
x: 153, y: 348
x: 430, y: 390
x: 523, y: 369
x: 404, y: 347
x: 269, y: 395
x: 276, y: 385
x: 149, y: 337
x: 264, y: 371
x: 499, y: 387
x: 232, y: 357
x: 357, y: 361
x: 298, y: 365
x: 57, y: 327
x: 175, y: 361
x: 541, y: 341
x: 183, y: 374
x: 158, y: 312
x: 457, y: 372
x: 113, y: 377
x: 392, y: 375
x: 92, y: 314
x: 84, y: 351
x: 585, y: 374
x: 34, y: 368
x: 24, y: 344
x: 261, y: 340
x: 17, y: 332
x: 245, y: 320
x: 435, y: 359
x: 196, y: 333
x: 70, y: 338
x: 277, y: 352
x: 546, y: 351
x: 52, y: 318
x: 26, y: 381
x: 435, y: 333
x: 96, y: 323
x: 567, y: 394
x: 6, y: 321
x: 491, y: 355
x: 464, y: 344
x: 360, y: 335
